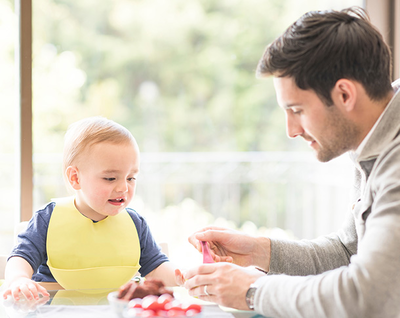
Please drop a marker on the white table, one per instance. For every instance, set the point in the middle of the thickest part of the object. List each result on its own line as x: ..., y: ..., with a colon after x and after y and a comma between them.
x: 93, y: 304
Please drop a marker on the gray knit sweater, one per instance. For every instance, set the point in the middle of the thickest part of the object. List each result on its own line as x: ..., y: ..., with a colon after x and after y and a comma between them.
x: 356, y: 271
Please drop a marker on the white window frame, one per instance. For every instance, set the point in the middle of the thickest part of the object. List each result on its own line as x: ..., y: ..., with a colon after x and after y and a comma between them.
x: 23, y: 62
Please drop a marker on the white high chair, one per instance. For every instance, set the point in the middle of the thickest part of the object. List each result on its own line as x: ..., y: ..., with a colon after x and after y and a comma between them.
x: 3, y: 258
x: 164, y: 248
x: 20, y: 227
x: 3, y: 262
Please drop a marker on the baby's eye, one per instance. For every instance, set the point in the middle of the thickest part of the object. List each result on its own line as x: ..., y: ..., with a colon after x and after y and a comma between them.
x: 109, y: 179
x: 131, y: 179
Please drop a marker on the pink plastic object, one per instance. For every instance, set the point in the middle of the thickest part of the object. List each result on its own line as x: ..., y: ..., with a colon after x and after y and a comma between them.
x: 207, y: 258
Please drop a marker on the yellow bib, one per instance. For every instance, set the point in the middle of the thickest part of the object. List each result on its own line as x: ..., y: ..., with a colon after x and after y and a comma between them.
x: 87, y: 255
x: 81, y: 298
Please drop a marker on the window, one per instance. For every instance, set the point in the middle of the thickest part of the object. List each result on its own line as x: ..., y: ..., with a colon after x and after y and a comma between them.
x: 180, y: 76
x: 8, y: 184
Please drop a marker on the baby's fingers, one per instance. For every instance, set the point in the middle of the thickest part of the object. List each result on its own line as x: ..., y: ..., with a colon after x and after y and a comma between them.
x: 7, y: 293
x: 26, y: 291
x: 15, y: 292
x: 180, y: 280
x: 43, y: 290
x: 33, y: 289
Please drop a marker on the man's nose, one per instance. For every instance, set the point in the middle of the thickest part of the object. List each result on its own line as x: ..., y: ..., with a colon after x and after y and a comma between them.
x: 293, y: 127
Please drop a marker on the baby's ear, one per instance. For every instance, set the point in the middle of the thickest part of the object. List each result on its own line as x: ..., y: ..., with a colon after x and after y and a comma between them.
x: 72, y: 175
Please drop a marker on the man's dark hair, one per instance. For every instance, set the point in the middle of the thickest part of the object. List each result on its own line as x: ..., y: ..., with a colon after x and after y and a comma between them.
x: 324, y: 46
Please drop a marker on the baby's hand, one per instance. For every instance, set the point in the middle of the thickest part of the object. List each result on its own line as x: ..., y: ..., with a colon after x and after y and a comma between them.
x: 180, y: 280
x: 26, y: 287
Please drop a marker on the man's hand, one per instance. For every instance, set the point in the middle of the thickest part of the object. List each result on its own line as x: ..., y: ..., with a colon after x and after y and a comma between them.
x: 233, y: 246
x: 215, y: 282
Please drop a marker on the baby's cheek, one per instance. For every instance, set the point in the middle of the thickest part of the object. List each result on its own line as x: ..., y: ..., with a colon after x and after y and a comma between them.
x: 100, y: 193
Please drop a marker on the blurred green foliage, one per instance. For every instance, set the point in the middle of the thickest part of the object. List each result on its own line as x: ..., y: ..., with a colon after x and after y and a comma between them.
x: 179, y: 74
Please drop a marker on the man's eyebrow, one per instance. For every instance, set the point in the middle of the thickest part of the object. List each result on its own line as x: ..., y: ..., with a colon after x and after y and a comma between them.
x: 290, y: 105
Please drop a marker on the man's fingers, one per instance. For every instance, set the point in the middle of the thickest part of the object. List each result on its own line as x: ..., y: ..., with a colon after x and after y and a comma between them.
x: 202, y: 292
x: 206, y: 231
x: 194, y: 241
x: 212, y: 235
x: 227, y: 259
x: 199, y: 275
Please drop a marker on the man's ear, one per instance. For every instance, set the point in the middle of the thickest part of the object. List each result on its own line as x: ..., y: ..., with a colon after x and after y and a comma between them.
x: 344, y: 94
x: 72, y: 174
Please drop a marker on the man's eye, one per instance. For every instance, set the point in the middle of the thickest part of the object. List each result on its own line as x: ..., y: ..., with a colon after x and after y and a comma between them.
x: 296, y: 111
x: 109, y: 179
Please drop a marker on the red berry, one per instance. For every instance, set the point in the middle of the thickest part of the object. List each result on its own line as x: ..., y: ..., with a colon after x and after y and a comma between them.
x: 173, y: 305
x: 188, y: 307
x: 162, y: 313
x: 150, y: 302
x: 135, y: 303
x: 176, y: 313
x: 147, y: 313
x: 164, y: 299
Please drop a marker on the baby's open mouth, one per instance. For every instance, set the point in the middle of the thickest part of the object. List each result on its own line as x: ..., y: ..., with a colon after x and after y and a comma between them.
x: 116, y: 200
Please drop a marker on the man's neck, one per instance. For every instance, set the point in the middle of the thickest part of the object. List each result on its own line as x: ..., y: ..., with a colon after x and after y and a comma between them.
x: 370, y: 113
x: 375, y: 117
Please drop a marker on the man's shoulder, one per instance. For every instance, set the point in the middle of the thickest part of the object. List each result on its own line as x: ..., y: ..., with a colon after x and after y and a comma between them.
x: 393, y: 148
x: 388, y: 161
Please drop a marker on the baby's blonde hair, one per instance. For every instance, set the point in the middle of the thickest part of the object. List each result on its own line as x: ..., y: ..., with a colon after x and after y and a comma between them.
x: 88, y: 132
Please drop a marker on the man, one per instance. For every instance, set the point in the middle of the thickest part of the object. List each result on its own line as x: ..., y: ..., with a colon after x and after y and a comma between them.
x: 332, y: 78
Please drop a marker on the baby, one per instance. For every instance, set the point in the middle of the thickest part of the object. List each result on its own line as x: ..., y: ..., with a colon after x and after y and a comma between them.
x: 91, y: 240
